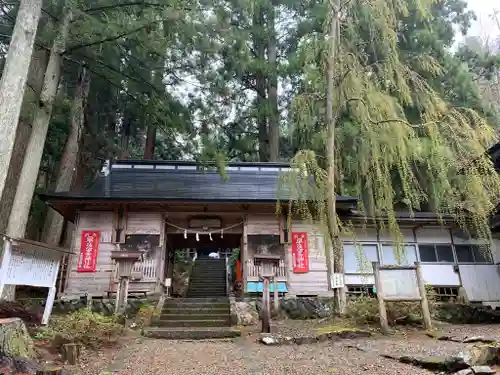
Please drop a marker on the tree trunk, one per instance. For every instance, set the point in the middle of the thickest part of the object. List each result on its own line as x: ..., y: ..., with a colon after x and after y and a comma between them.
x: 272, y: 88
x: 54, y: 222
x: 29, y: 172
x: 331, y: 119
x: 35, y: 80
x: 14, y: 78
x: 149, y: 149
x: 260, y: 84
x: 34, y: 151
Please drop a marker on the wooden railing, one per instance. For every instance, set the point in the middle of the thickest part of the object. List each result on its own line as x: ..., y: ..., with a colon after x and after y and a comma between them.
x: 143, y: 271
x: 254, y: 271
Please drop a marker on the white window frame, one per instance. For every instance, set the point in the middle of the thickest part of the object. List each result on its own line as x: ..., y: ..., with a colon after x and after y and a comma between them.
x: 386, y: 243
x: 361, y: 243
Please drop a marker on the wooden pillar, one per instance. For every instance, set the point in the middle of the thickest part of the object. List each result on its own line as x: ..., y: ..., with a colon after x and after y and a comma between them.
x: 122, y: 295
x: 266, y: 313
x: 244, y: 252
x: 276, y: 301
x: 424, y: 305
x: 384, y: 325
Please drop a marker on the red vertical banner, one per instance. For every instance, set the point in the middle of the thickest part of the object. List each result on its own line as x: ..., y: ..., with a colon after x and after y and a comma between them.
x: 300, y: 252
x: 87, y: 262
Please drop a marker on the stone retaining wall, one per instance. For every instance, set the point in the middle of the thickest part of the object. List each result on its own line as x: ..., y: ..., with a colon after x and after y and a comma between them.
x: 104, y: 306
x: 246, y: 311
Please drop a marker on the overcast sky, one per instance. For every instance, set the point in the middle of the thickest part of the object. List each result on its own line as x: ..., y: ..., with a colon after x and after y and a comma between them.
x: 484, y: 26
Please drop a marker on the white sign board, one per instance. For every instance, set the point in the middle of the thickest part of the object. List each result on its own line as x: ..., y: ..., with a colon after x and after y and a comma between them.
x: 31, y: 263
x: 29, y: 267
x: 337, y: 280
x: 399, y: 284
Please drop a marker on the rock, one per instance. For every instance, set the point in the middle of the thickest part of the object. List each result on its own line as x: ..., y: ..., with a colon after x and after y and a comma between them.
x: 465, y: 314
x: 482, y: 355
x: 268, y: 340
x: 306, y: 307
x: 16, y: 342
x: 302, y: 340
x: 436, y: 363
x: 353, y: 334
x: 244, y: 313
x: 466, y: 371
x: 482, y: 370
x: 16, y: 309
x: 484, y: 340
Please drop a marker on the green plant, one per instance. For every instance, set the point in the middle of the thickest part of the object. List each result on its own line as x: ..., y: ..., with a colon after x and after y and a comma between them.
x: 84, y: 327
x: 365, y: 310
x: 145, y: 314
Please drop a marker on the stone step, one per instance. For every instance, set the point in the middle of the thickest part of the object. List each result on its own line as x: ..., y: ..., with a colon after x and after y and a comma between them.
x: 206, y: 287
x: 223, y: 299
x: 223, y: 316
x: 196, y: 310
x: 207, y: 275
x: 197, y: 305
x: 202, y: 294
x: 193, y: 323
x: 191, y: 333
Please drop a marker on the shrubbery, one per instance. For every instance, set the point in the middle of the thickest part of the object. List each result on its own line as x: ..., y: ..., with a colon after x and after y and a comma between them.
x: 364, y: 310
x: 84, y: 327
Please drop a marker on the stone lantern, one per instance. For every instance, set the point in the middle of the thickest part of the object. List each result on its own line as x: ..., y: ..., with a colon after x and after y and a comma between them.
x: 125, y: 261
x: 268, y: 264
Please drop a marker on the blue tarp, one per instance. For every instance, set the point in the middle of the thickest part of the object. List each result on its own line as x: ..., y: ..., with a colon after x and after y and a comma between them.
x: 258, y: 287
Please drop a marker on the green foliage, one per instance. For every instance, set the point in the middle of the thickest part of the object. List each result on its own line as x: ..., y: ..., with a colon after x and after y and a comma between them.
x: 144, y: 315
x: 84, y: 327
x: 364, y: 310
x: 400, y: 140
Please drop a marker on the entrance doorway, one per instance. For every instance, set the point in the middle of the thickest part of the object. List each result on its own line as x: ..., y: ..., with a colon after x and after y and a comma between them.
x: 182, y: 251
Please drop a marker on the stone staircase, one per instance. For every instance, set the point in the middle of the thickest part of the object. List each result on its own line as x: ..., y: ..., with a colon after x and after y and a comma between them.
x: 204, y: 314
x: 208, y: 279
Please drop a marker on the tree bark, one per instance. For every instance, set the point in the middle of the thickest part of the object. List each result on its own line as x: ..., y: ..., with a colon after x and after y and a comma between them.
x: 331, y: 119
x: 54, y: 222
x: 35, y: 80
x: 260, y: 83
x: 272, y: 87
x: 149, y: 149
x: 14, y: 78
x: 34, y: 151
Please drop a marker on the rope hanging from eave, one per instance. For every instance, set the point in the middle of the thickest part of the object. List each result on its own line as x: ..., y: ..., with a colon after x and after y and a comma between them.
x: 209, y: 233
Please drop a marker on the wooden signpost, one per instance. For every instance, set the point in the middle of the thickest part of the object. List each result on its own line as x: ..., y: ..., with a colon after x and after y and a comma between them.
x: 400, y: 283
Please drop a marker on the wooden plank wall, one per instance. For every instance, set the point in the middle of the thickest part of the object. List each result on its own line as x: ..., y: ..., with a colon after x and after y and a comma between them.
x: 101, y: 281
x: 314, y: 282
x: 95, y: 283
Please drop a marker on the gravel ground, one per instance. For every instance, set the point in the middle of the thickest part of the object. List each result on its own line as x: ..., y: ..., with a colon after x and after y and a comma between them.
x: 246, y: 357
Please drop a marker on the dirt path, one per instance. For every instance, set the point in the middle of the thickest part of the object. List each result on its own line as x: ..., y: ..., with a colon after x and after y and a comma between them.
x: 246, y: 357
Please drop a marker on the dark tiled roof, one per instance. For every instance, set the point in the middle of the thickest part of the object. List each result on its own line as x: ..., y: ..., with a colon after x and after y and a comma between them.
x: 249, y: 184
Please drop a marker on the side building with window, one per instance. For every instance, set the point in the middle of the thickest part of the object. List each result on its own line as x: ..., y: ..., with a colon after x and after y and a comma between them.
x: 450, y: 259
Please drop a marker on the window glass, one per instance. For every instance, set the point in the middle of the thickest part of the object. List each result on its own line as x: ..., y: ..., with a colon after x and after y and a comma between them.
x: 444, y: 253
x: 358, y: 258
x: 464, y: 253
x: 407, y: 256
x: 427, y: 253
x: 482, y: 254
